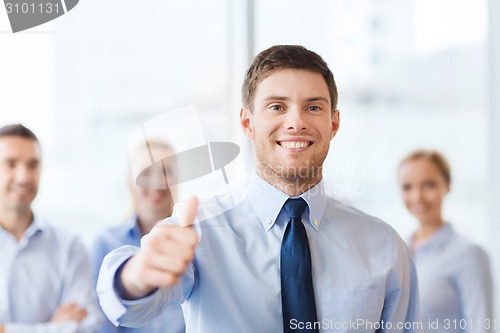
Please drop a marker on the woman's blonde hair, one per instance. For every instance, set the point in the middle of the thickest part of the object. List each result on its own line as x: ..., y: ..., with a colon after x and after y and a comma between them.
x: 431, y: 155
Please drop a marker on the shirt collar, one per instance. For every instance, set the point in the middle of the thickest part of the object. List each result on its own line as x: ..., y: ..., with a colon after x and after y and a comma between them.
x: 440, y: 238
x: 267, y: 201
x: 133, y: 227
x: 36, y: 226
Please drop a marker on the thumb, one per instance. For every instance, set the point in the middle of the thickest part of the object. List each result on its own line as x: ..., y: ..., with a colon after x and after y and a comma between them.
x: 190, y: 211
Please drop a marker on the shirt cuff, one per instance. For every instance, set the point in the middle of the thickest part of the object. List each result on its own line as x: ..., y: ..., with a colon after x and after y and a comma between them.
x: 132, y: 313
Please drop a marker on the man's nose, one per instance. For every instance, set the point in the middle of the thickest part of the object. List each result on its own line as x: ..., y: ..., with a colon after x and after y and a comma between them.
x: 296, y: 119
x: 23, y: 174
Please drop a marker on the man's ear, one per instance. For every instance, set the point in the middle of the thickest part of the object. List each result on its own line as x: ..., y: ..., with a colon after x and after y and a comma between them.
x: 246, y: 122
x: 335, y: 123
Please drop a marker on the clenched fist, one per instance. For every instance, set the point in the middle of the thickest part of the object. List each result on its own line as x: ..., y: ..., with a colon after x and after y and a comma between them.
x: 164, y: 258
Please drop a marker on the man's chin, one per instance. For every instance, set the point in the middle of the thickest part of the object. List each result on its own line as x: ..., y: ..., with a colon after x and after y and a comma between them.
x: 21, y: 206
x: 300, y: 171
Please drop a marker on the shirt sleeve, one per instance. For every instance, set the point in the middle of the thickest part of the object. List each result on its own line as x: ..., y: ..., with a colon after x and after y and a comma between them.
x: 136, y: 313
x: 475, y: 288
x: 98, y: 251
x: 79, y: 287
x: 401, y: 312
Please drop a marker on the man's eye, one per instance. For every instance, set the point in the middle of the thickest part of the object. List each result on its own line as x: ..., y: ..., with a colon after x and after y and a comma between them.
x: 33, y: 165
x: 314, y: 108
x: 276, y: 107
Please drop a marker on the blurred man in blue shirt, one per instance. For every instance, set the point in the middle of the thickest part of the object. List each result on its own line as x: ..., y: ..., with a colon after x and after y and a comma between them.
x: 151, y: 205
x: 45, y: 275
x: 285, y: 257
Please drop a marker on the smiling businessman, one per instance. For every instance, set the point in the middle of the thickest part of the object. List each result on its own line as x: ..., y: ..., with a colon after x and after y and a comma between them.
x: 288, y: 258
x: 45, y: 280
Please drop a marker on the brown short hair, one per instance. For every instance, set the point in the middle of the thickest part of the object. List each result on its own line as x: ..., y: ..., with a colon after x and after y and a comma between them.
x: 18, y: 130
x: 281, y: 57
x: 431, y: 155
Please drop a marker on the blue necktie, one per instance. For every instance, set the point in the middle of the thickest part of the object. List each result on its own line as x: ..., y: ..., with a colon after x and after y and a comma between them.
x: 297, y: 294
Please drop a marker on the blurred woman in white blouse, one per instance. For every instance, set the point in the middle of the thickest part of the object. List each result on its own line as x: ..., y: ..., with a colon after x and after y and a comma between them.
x: 454, y: 274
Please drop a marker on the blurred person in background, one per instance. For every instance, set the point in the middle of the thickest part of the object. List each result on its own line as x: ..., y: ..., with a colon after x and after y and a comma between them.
x: 454, y: 274
x: 45, y: 276
x: 152, y: 202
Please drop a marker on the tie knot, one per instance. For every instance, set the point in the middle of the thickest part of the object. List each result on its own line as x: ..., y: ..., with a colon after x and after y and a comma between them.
x: 295, y: 207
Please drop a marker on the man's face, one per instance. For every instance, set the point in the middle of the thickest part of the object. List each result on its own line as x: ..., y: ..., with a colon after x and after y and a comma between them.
x: 291, y: 125
x: 19, y: 172
x: 154, y: 199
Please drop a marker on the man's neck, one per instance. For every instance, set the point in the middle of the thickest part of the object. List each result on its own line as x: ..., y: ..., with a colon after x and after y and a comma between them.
x: 146, y: 223
x: 293, y: 186
x: 16, y: 220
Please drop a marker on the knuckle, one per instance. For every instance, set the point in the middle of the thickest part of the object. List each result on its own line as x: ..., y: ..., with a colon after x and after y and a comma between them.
x: 154, y: 242
x: 168, y: 280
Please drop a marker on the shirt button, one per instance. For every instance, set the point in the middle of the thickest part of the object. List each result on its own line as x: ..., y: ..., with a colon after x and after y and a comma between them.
x: 269, y: 221
x: 315, y: 222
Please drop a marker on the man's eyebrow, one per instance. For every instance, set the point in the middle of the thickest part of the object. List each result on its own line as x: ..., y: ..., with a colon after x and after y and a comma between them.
x: 276, y: 98
x: 319, y: 98
x: 284, y: 98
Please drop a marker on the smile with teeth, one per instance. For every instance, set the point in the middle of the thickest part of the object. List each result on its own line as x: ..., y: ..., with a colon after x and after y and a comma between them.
x: 294, y: 144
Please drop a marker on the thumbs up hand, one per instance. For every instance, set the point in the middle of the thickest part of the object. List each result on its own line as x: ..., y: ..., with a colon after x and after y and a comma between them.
x: 163, y: 259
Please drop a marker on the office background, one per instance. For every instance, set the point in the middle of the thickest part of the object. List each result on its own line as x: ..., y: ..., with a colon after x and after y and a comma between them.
x: 421, y: 73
